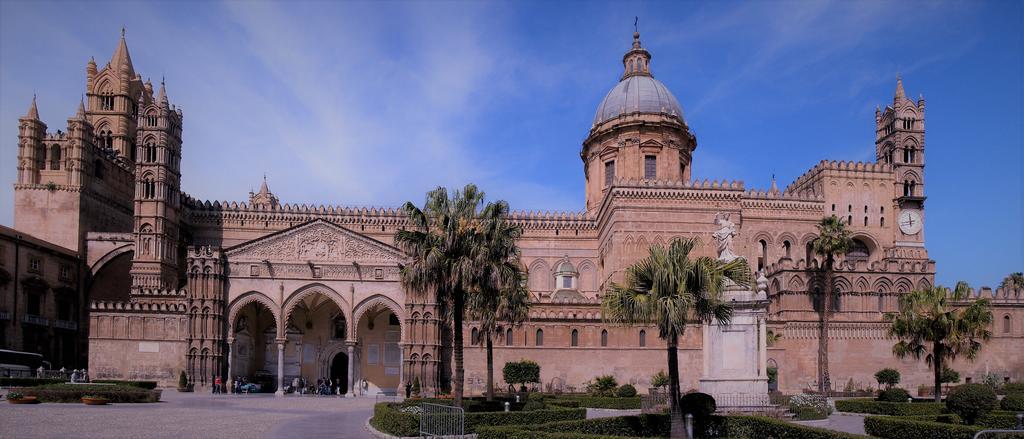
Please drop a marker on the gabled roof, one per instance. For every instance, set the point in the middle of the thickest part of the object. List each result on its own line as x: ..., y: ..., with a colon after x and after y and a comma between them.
x: 318, y: 240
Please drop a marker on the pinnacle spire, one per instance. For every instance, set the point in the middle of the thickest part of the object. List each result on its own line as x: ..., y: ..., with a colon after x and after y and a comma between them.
x: 80, y: 114
x: 162, y: 97
x: 637, y: 60
x: 775, y: 187
x: 33, y: 112
x: 121, y: 59
x: 264, y: 189
x: 900, y: 94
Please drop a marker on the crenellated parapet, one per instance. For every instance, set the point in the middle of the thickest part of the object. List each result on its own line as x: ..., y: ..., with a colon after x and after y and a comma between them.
x: 142, y: 307
x: 844, y: 168
x: 997, y: 296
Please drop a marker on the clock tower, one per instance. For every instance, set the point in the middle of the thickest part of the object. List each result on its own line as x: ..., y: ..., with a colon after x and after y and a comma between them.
x: 899, y: 141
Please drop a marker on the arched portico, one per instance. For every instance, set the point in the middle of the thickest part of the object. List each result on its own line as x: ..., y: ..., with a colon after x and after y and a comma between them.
x: 379, y: 332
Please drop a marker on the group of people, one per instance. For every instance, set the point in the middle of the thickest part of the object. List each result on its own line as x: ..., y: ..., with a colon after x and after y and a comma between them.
x: 323, y: 386
x: 238, y: 385
x: 75, y: 375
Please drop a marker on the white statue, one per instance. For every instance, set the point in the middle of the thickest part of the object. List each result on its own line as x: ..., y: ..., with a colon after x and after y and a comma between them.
x: 724, y: 235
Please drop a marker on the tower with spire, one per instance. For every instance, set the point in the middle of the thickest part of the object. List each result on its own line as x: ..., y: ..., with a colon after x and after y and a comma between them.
x: 900, y: 142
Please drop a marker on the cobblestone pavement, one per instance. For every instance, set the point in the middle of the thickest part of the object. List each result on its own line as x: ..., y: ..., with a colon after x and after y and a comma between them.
x: 845, y: 422
x: 191, y: 415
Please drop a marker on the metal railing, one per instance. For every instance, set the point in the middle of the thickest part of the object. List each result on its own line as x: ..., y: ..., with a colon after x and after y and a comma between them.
x: 653, y: 403
x: 65, y: 324
x: 727, y: 400
x: 35, y: 320
x: 441, y: 420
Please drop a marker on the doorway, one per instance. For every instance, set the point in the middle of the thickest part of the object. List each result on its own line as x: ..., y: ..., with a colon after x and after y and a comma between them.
x: 339, y: 371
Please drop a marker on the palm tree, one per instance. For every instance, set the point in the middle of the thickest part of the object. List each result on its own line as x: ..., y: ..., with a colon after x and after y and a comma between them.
x: 833, y: 239
x: 1015, y: 281
x: 670, y: 289
x: 443, y: 249
x: 930, y: 323
x: 502, y: 296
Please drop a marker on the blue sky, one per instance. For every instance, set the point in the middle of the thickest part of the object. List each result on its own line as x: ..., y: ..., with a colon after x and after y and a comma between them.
x: 361, y: 103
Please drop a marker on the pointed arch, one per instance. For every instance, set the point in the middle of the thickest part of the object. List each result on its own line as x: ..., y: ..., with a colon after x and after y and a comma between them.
x: 882, y: 285
x: 796, y: 284
x: 373, y: 302
x: 862, y: 284
x: 903, y: 285
x: 587, y: 276
x: 540, y: 277
x: 923, y: 284
x: 246, y: 299
x: 305, y: 291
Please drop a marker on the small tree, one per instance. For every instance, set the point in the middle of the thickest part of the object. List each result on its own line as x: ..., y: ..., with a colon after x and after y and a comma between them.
x: 887, y: 377
x: 521, y: 372
x: 971, y: 401
x: 949, y: 376
x: 659, y: 380
x: 603, y: 385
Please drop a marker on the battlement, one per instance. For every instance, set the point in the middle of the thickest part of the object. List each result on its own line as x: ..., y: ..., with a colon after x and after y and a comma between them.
x: 121, y: 306
x: 863, y: 168
x: 855, y: 266
x: 690, y: 184
x: 999, y: 295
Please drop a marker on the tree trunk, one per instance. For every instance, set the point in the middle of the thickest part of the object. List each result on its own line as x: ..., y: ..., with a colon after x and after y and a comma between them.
x: 937, y: 363
x: 678, y: 425
x: 457, y: 380
x: 490, y: 368
x: 824, y: 381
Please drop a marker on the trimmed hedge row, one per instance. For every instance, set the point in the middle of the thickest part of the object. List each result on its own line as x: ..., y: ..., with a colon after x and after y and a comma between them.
x: 388, y: 419
x: 901, y: 428
x: 148, y: 385
x: 595, y: 402
x: 873, y: 407
x: 75, y: 392
x: 739, y: 427
x: 29, y: 382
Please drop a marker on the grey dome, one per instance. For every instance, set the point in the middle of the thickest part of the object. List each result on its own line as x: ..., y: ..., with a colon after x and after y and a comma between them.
x: 638, y: 94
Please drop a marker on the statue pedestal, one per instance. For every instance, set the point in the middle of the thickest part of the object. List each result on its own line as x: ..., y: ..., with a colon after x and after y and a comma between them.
x: 735, y: 355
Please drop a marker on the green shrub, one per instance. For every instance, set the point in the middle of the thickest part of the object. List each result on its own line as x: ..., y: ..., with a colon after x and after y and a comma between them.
x: 29, y: 382
x: 595, y: 402
x: 534, y: 404
x: 603, y: 385
x: 1013, y: 402
x: 736, y: 427
x: 872, y: 407
x: 388, y: 419
x: 887, y: 377
x: 474, y: 420
x: 75, y: 392
x: 949, y: 375
x: 15, y: 395
x: 1012, y: 388
x: 625, y: 391
x: 700, y: 405
x: 900, y: 428
x: 660, y: 379
x: 894, y: 394
x: 971, y: 401
x: 148, y: 385
x: 521, y: 372
x: 758, y: 427
x: 809, y: 407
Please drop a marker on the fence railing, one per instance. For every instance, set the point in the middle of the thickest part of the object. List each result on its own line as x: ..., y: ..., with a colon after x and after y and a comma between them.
x: 653, y: 403
x: 741, y: 400
x: 382, y: 397
x: 441, y: 420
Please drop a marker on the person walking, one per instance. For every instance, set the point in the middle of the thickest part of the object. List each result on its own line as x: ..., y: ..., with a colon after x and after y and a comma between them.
x: 217, y: 385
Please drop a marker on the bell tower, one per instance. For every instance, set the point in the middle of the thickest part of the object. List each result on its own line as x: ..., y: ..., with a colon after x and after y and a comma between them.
x: 157, y: 197
x: 900, y: 142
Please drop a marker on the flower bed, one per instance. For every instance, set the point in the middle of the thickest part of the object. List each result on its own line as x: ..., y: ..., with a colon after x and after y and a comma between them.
x: 75, y: 392
x: 872, y: 407
x: 391, y: 419
x: 739, y: 427
x: 806, y: 407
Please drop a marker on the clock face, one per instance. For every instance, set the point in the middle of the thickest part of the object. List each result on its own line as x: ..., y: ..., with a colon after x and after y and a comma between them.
x: 910, y: 222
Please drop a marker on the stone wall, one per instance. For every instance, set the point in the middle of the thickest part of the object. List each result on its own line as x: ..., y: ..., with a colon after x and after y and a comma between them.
x: 137, y: 345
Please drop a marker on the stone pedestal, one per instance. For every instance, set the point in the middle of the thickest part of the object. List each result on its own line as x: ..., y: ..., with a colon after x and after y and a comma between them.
x: 735, y: 355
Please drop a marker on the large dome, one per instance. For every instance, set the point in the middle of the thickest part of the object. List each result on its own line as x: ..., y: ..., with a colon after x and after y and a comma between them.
x: 638, y: 94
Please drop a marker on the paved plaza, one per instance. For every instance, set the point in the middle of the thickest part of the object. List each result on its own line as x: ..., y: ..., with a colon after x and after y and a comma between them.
x: 187, y: 415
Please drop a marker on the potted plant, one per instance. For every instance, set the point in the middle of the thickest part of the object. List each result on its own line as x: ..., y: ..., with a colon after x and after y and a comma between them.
x: 183, y: 384
x: 19, y: 398
x: 95, y: 400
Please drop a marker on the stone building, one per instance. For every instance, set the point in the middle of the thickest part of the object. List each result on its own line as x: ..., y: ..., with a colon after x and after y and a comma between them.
x: 43, y: 306
x: 273, y: 290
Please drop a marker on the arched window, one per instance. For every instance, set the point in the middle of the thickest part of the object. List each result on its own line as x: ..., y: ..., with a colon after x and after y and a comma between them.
x: 508, y: 337
x: 836, y: 302
x: 148, y: 188
x: 858, y: 250
x: 150, y: 155
x: 881, y: 303
x: 865, y: 221
x: 55, y: 157
x: 786, y: 248
x: 575, y: 338
x: 604, y: 337
x: 1007, y: 324
x: 540, y: 338
x: 809, y: 252
x: 643, y: 338
x: 474, y: 337
x: 762, y: 257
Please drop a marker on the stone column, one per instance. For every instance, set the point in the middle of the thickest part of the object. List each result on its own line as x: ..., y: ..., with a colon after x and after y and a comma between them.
x: 401, y: 370
x: 231, y: 348
x: 280, y: 368
x: 762, y: 345
x: 351, y: 370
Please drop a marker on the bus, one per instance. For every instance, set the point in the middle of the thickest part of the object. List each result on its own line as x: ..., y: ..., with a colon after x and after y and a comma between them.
x: 20, y: 364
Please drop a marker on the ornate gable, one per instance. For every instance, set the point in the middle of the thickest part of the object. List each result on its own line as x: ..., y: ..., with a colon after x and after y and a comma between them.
x: 318, y: 241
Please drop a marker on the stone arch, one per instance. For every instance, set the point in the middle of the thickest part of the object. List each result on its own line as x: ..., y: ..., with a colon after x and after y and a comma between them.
x: 882, y: 285
x: 923, y: 284
x: 303, y: 292
x: 246, y: 299
x: 862, y: 284
x: 540, y: 276
x: 641, y: 245
x: 842, y: 284
x: 588, y: 276
x: 776, y: 286
x: 796, y: 284
x: 903, y: 285
x: 373, y: 301
x: 117, y: 251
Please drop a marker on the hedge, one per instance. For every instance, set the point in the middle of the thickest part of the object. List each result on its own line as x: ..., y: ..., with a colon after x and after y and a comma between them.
x: 595, y: 402
x: 75, y: 392
x: 740, y: 427
x: 901, y: 428
x: 148, y: 385
x: 388, y: 419
x: 873, y: 407
x: 30, y: 382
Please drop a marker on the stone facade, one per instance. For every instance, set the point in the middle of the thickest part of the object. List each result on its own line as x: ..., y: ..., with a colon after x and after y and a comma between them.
x: 275, y: 291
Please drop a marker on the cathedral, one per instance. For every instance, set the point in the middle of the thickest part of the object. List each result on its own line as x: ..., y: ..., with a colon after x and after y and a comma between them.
x: 272, y: 291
